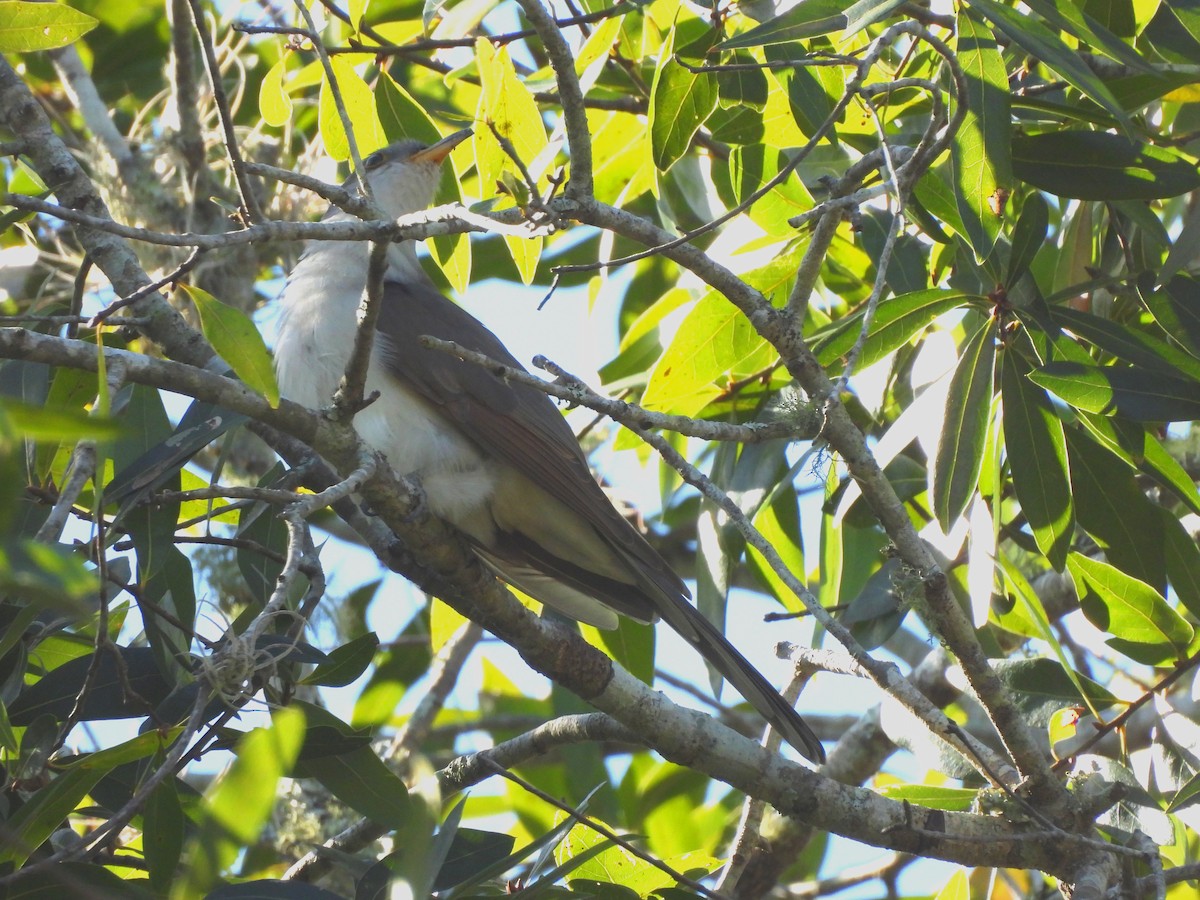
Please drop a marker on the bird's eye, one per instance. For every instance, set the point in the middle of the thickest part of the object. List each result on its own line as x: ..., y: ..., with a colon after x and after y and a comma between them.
x: 373, y: 161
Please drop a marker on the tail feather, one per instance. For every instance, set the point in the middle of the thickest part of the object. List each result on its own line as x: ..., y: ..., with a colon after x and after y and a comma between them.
x: 745, y: 678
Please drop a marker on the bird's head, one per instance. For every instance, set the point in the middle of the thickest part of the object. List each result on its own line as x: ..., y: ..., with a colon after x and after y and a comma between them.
x: 404, y: 175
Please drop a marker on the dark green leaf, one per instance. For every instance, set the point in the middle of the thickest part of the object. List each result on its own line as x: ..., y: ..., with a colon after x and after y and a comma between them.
x: 808, y: 18
x: 162, y: 834
x: 1177, y: 311
x: 271, y: 890
x: 1095, y: 165
x: 1044, y: 45
x: 1135, y: 394
x: 1114, y: 510
x: 1042, y: 686
x: 361, y: 781
x: 959, y: 457
x: 875, y: 614
x: 1132, y: 346
x: 118, y: 691
x: 471, y: 852
x: 346, y: 663
x: 1029, y: 236
x: 1037, y: 457
x: 1182, y: 558
x: 680, y: 102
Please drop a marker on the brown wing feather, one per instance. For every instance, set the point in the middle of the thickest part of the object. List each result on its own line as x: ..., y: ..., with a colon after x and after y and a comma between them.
x: 517, y: 424
x: 522, y: 427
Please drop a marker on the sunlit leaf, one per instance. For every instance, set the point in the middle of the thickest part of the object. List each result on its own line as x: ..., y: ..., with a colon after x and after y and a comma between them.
x: 27, y: 27
x: 1131, y: 610
x: 1037, y: 457
x: 234, y: 336
x: 980, y: 150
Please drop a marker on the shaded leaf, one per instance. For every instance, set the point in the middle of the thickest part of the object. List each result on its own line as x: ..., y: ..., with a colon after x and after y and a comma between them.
x: 808, y: 18
x: 1095, y: 165
x: 361, y: 781
x: 1135, y: 394
x: 1044, y: 45
x: 346, y: 663
x: 959, y: 458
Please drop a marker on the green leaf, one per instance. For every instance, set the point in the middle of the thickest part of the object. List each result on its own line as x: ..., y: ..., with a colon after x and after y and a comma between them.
x: 234, y: 337
x: 41, y: 423
x: 28, y: 27
x: 951, y: 799
x: 239, y: 804
x: 361, y: 781
x: 1050, y: 684
x: 680, y: 102
x: 1134, y: 394
x: 506, y: 104
x: 1176, y: 309
x: 806, y: 19
x: 1037, y: 456
x: 713, y: 340
x: 751, y: 167
x: 345, y: 663
x: 1114, y: 510
x: 1044, y: 45
x: 1028, y: 237
x: 1096, y: 165
x: 743, y: 87
x: 49, y: 576
x: 867, y: 12
x: 162, y: 834
x: 1132, y: 346
x: 1182, y: 558
x: 896, y: 322
x: 631, y: 644
x: 959, y: 457
x: 360, y: 108
x: 45, y: 811
x: 981, y: 146
x: 1121, y: 605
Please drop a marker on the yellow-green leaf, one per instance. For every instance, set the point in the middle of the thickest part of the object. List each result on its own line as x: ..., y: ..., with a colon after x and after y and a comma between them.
x: 274, y: 104
x: 27, y: 27
x: 235, y: 338
x: 360, y: 107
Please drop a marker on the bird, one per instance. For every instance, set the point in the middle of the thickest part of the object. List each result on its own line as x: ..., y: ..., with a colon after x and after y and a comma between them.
x: 497, y: 460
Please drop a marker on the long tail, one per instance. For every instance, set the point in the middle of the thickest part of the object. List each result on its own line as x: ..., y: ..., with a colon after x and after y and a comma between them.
x: 738, y: 671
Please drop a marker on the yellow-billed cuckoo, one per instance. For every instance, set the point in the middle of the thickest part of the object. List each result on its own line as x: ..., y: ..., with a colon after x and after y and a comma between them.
x: 496, y: 460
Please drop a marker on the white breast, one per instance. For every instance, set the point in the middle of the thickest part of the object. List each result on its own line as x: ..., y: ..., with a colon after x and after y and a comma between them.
x: 316, y: 338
